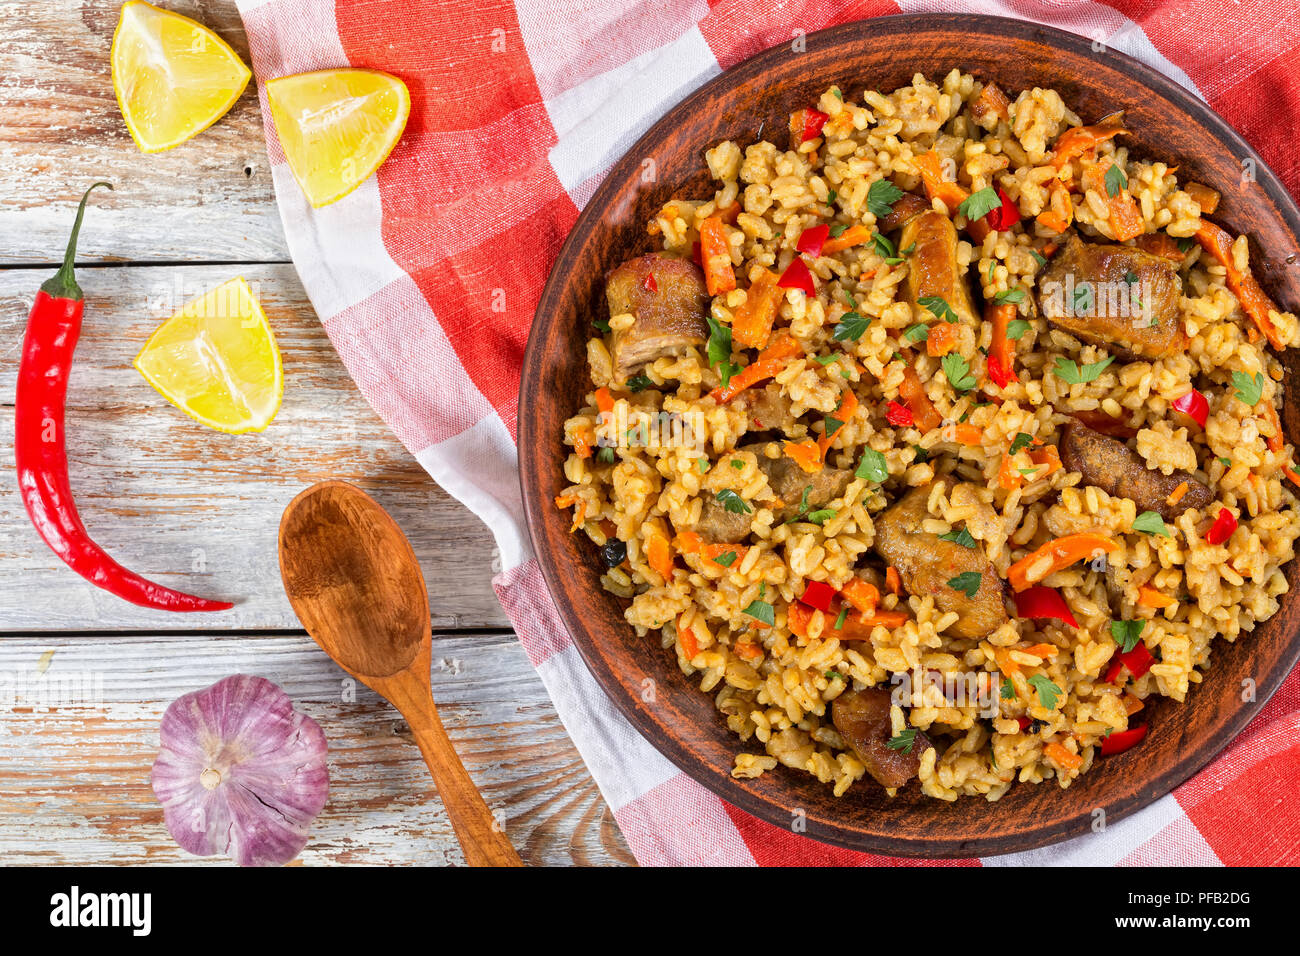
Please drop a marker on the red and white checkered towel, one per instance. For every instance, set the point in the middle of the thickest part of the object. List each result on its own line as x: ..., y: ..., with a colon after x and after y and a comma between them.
x: 427, y: 276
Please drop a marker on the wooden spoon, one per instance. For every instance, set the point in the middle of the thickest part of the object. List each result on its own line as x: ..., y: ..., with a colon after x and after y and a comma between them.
x: 355, y: 584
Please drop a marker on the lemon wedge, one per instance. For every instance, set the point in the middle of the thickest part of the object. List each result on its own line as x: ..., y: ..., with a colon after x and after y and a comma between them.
x: 336, y: 127
x: 217, y: 361
x: 172, y: 75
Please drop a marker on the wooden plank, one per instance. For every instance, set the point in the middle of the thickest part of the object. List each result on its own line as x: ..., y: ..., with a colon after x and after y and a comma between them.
x: 196, y: 509
x: 80, y: 738
x: 60, y: 130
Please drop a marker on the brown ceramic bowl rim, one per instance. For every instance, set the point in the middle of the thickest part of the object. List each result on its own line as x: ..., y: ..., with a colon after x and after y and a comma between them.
x: 538, y: 507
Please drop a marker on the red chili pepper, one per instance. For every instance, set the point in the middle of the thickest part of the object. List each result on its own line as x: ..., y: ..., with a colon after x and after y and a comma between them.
x: 1040, y: 601
x: 819, y: 594
x: 813, y: 121
x: 1137, y: 662
x: 1025, y: 723
x: 1195, y: 405
x: 1006, y: 215
x: 41, y: 460
x: 797, y: 276
x: 1222, y: 528
x: 898, y: 414
x: 649, y: 282
x: 812, y: 239
x: 1121, y: 741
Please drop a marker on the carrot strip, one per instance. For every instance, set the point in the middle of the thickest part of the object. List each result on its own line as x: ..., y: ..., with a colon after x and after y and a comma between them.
x: 729, y: 214
x: 1150, y: 597
x: 688, y: 542
x: 1002, y: 349
x: 770, y: 361
x: 1047, y: 458
x: 924, y: 413
x: 685, y: 637
x: 1059, y: 213
x: 1042, y: 650
x: 750, y: 652
x: 1160, y: 244
x: 1081, y: 139
x: 584, y: 443
x: 893, y: 581
x: 604, y: 400
x: 1177, y: 494
x: 1253, y: 301
x: 797, y: 618
x: 848, y: 406
x: 852, y: 236
x: 1126, y: 220
x: 1277, y: 439
x: 930, y: 167
x: 1206, y: 198
x: 806, y: 454
x: 1292, y: 474
x: 943, y: 338
x: 1063, y: 757
x: 1056, y: 555
x: 862, y: 595
x: 1131, y: 704
x: 1005, y: 664
x: 715, y: 256
x: 967, y: 434
x: 1009, y: 479
x: 752, y: 323
x: 659, y: 555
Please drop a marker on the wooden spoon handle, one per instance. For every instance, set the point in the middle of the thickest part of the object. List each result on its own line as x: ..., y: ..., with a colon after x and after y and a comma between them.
x: 481, y: 837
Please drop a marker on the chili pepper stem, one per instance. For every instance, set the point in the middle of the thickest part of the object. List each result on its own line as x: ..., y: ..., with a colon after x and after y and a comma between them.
x: 63, y: 284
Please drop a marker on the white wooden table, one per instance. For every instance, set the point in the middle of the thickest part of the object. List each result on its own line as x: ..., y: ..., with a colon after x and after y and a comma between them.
x: 84, y: 676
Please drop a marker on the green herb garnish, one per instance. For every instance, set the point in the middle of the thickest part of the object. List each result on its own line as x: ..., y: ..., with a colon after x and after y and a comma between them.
x: 761, y: 611
x: 1115, y: 180
x: 822, y: 516
x: 1016, y: 328
x: 1069, y: 371
x: 872, y: 467
x: 639, y: 382
x: 938, y: 307
x: 958, y: 372
x: 726, y: 560
x: 1048, y: 693
x: 1010, y: 296
x: 1149, y: 522
x: 850, y: 327
x: 1126, y: 633
x: 980, y: 203
x: 881, y: 197
x: 1021, y: 440
x: 962, y: 537
x: 968, y: 582
x: 1249, y: 388
x: 734, y: 504
x: 917, y: 333
x: 903, y: 741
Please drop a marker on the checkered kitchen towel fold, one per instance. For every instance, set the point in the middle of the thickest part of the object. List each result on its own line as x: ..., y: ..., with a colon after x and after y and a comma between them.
x: 519, y: 108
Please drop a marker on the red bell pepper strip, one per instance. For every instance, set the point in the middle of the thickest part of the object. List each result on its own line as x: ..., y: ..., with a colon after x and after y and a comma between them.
x: 812, y: 239
x: 40, y: 456
x: 819, y: 594
x: 1195, y: 405
x: 899, y: 415
x: 1222, y: 528
x: 1044, y: 602
x: 813, y: 121
x: 1121, y: 741
x: 1137, y: 662
x: 1006, y: 215
x: 797, y: 275
x: 1024, y: 722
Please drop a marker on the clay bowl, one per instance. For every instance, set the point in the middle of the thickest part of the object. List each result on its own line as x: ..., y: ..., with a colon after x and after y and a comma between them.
x: 1168, y: 124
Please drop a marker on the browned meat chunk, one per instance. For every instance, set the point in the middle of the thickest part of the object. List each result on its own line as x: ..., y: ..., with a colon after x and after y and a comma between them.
x: 933, y: 270
x: 909, y: 205
x: 1115, y: 295
x: 862, y: 718
x: 668, y: 297
x: 926, y: 563
x: 766, y: 408
x: 1109, y: 464
x: 788, y: 482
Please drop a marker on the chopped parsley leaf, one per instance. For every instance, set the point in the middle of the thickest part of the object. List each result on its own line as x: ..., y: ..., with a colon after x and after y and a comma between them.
x: 1115, y: 180
x: 881, y: 198
x: 605, y: 456
x: 822, y: 516
x: 938, y: 307
x: 958, y: 372
x: 968, y: 582
x: 726, y: 560
x: 734, y: 504
x: 1016, y: 328
x: 917, y: 333
x: 1010, y: 296
x: 962, y: 537
x: 980, y: 203
x: 761, y: 611
x: 1149, y: 522
x: 1068, y: 371
x: 639, y: 382
x: 1249, y: 388
x: 1126, y: 633
x: 1008, y: 689
x: 839, y: 621
x: 872, y: 467
x: 1048, y: 693
x: 850, y: 327
x: 1021, y: 440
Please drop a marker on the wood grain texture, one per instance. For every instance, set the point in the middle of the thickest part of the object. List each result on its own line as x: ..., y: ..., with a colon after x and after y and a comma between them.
x: 60, y: 129
x: 77, y: 743
x: 1168, y: 124
x: 165, y: 495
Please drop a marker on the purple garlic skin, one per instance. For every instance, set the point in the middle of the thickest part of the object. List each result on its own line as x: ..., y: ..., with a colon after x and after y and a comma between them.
x: 240, y: 772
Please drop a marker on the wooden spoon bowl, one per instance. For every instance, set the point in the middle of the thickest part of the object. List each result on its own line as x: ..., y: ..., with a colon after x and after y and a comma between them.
x: 1168, y: 124
x: 355, y: 584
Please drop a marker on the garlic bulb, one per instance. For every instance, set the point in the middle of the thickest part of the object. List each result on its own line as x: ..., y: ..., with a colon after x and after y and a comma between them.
x: 240, y: 772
